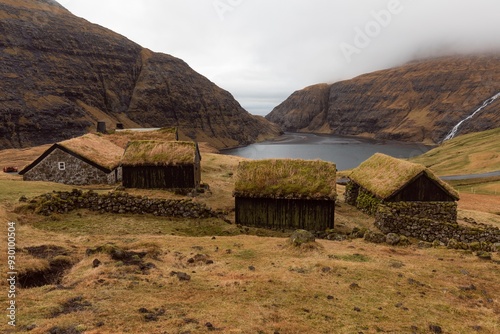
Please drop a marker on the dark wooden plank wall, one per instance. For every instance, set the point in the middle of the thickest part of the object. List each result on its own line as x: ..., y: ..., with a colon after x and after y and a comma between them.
x: 197, y: 174
x: 420, y: 190
x: 152, y: 177
x: 311, y: 215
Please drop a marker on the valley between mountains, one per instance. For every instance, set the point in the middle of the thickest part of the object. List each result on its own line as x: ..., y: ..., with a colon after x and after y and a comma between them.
x: 83, y: 271
x: 417, y: 102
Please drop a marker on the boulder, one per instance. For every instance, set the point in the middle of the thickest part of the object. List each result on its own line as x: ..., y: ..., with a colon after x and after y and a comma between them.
x: 392, y: 239
x: 300, y: 237
x: 374, y: 237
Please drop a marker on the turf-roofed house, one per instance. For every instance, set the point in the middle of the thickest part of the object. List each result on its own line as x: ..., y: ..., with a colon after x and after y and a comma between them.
x: 89, y: 159
x: 150, y: 164
x: 286, y: 194
x: 400, y: 194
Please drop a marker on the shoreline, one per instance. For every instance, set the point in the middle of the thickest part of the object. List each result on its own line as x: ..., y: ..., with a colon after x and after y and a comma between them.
x: 292, y: 138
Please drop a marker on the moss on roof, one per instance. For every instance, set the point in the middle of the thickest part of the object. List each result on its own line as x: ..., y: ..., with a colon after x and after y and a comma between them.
x: 383, y: 175
x: 159, y: 153
x: 96, y: 149
x: 286, y: 178
x: 122, y: 137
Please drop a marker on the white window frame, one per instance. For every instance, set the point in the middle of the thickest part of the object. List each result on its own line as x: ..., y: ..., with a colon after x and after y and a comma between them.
x: 61, y: 165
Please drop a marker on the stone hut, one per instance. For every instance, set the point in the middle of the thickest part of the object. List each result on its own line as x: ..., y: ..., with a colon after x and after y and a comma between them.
x: 151, y: 164
x: 286, y: 194
x: 89, y: 159
x: 400, y: 192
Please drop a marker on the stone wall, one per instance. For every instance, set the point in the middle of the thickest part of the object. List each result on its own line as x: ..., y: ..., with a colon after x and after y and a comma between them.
x: 438, y: 211
x: 351, y: 193
x: 367, y: 202
x: 361, y: 198
x: 76, y: 171
x: 119, y: 202
x: 427, y: 221
x: 431, y: 221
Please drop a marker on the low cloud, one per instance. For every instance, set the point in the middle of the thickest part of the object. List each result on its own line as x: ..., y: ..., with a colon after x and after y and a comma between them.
x: 261, y: 51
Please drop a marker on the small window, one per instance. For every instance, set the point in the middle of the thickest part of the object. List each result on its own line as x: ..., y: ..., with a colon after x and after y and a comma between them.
x: 62, y: 165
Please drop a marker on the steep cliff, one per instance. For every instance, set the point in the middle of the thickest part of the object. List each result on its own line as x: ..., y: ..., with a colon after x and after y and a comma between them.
x: 59, y: 74
x: 419, y: 102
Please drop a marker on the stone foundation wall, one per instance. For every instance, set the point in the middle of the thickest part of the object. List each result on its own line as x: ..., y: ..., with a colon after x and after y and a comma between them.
x: 361, y: 198
x: 438, y: 211
x: 427, y: 221
x: 119, y: 202
x: 431, y: 221
x: 351, y: 193
x: 366, y: 202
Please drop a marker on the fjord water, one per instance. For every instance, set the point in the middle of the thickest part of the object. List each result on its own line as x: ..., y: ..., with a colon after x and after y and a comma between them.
x: 346, y: 152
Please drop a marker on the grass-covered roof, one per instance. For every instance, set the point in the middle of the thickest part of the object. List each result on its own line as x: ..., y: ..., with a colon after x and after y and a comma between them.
x: 383, y: 175
x: 286, y: 178
x: 122, y: 137
x: 96, y: 149
x: 159, y: 153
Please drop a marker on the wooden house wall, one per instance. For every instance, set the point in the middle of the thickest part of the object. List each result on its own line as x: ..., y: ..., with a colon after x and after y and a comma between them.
x: 197, y: 169
x: 422, y: 189
x: 152, y: 177
x: 312, y: 215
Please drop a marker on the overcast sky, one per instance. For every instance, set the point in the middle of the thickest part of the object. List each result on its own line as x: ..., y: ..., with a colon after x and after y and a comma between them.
x: 263, y: 50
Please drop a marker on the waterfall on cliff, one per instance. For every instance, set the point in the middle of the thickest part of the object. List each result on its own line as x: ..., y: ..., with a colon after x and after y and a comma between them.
x: 486, y: 103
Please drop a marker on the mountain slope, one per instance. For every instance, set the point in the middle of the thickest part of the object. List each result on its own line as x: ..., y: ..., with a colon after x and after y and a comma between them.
x: 60, y: 74
x: 473, y: 153
x: 418, y: 102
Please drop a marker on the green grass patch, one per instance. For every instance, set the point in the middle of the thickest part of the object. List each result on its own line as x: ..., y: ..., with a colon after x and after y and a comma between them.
x: 351, y: 257
x: 85, y: 222
x: 246, y: 254
x: 472, y: 153
x: 91, y: 223
x: 486, y: 186
x: 12, y: 190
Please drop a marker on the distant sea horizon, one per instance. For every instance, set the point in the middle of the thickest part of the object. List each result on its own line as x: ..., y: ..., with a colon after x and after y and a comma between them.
x: 346, y: 152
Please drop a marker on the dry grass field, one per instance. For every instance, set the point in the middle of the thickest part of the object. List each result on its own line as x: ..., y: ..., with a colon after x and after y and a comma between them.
x: 144, y: 274
x: 250, y: 284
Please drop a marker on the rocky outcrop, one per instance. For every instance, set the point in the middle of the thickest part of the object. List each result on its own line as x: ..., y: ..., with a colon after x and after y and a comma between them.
x: 59, y: 74
x: 418, y: 102
x: 304, y: 110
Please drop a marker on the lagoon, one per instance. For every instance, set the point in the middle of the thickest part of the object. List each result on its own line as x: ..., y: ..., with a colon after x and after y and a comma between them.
x: 345, y: 152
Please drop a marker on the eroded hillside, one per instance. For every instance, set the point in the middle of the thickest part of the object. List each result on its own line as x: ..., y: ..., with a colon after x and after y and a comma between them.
x: 418, y: 102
